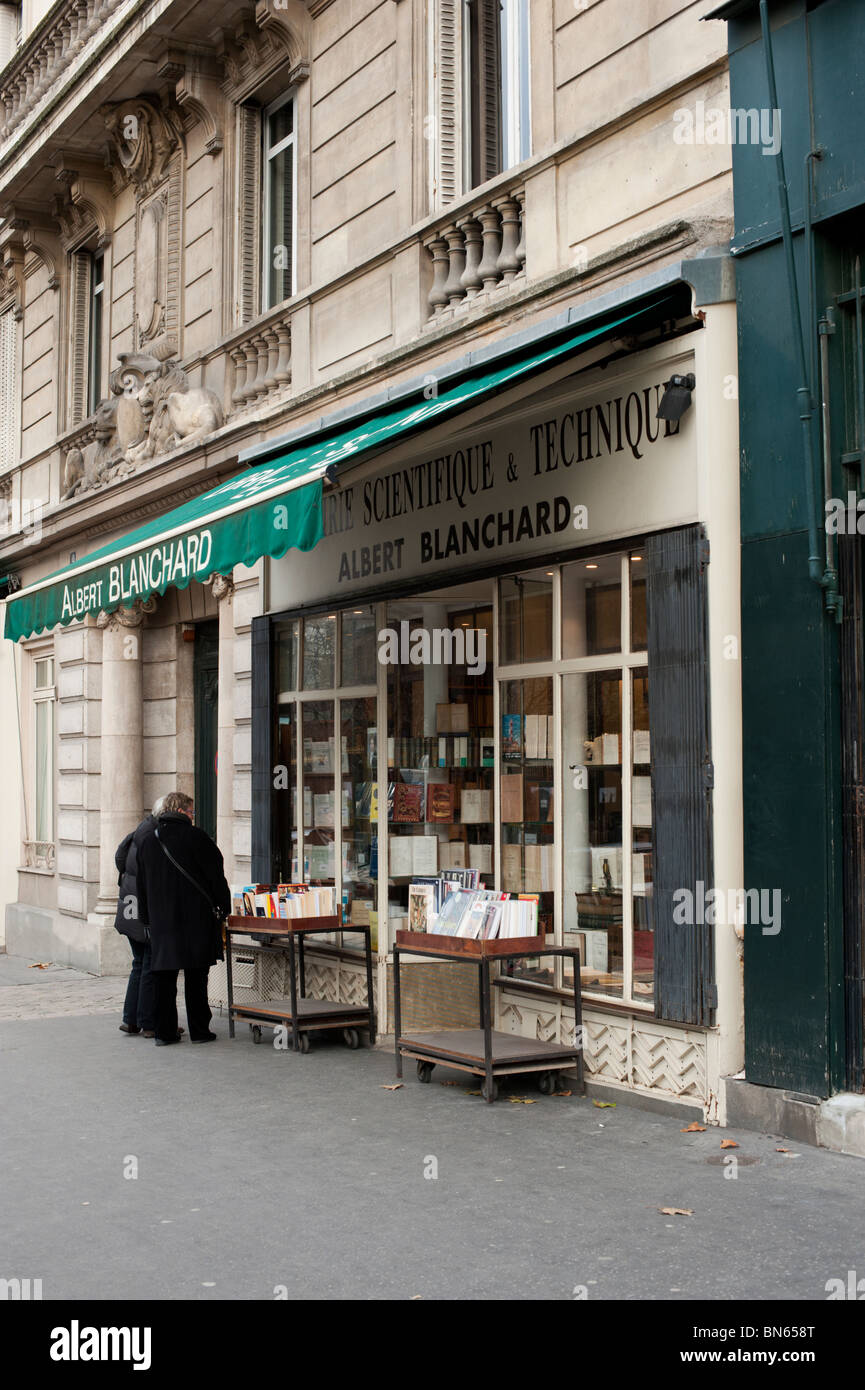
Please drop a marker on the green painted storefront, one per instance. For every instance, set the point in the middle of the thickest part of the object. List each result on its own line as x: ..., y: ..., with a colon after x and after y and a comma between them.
x: 803, y: 988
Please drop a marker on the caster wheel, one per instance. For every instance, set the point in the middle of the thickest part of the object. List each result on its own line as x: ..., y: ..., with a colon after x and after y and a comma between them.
x: 303, y: 1042
x: 352, y: 1038
x: 256, y: 1033
x: 424, y: 1072
x: 490, y: 1092
x: 547, y: 1083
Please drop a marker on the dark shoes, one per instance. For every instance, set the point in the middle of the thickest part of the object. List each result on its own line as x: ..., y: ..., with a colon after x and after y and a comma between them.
x: 208, y: 1037
x: 148, y: 1034
x: 124, y: 1028
x: 166, y: 1042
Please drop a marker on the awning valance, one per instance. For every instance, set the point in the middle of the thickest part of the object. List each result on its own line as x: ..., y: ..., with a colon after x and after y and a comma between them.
x: 267, y: 510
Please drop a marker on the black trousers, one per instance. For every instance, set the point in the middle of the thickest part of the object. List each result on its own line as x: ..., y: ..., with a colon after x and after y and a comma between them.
x: 198, y: 1013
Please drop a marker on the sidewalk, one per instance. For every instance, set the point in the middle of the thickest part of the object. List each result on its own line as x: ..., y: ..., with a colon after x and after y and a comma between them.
x: 259, y: 1168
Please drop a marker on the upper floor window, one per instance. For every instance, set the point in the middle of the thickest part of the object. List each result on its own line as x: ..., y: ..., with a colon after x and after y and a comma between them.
x: 496, y: 86
x: 9, y: 389
x: 95, y: 334
x: 278, y: 201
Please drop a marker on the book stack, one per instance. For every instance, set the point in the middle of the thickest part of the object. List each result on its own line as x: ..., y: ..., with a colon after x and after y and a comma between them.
x: 283, y: 900
x: 476, y: 914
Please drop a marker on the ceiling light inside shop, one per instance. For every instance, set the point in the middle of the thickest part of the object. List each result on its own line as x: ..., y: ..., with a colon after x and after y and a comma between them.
x: 591, y: 567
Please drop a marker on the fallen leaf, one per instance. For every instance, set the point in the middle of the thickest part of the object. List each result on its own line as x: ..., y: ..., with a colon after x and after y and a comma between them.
x: 675, y: 1211
x: 420, y: 1295
x: 445, y: 1083
x: 782, y: 1151
x: 41, y: 965
x: 729, y: 1144
x: 472, y: 1093
x: 693, y: 1129
x: 605, y: 1104
x: 397, y: 1086
x: 521, y: 1100
x: 562, y: 1093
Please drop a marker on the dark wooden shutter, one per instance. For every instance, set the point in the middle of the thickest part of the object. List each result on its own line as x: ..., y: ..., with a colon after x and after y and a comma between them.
x: 486, y: 94
x: 681, y: 770
x: 248, y: 212
x: 262, y: 751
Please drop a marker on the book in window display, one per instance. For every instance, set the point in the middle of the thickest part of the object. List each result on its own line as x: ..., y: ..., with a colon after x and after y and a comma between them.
x: 440, y: 803
x: 476, y: 806
x: 407, y: 803
x: 511, y: 795
x: 512, y: 740
x: 421, y: 907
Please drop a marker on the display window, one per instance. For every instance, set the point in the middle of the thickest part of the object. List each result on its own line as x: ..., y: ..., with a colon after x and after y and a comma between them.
x: 499, y: 727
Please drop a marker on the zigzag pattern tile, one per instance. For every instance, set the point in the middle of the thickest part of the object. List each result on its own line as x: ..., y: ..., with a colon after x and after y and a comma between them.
x: 547, y: 1028
x: 674, y: 1064
x: 606, y: 1051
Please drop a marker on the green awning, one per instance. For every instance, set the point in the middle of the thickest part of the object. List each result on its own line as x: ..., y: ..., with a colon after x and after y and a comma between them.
x: 267, y: 510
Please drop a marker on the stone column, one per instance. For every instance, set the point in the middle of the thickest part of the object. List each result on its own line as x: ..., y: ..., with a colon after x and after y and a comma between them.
x: 222, y: 586
x: 121, y: 789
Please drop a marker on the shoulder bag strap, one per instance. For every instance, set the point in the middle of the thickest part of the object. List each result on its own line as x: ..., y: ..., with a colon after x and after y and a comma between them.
x: 167, y: 852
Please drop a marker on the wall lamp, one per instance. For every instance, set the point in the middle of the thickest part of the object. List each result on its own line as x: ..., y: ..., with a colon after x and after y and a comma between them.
x: 677, y: 397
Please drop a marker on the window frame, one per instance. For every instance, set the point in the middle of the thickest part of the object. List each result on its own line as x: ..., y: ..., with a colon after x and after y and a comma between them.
x: 514, y: 90
x: 40, y: 696
x: 268, y: 154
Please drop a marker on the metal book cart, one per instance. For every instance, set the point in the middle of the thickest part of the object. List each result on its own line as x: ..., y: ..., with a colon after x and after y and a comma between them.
x: 302, y: 1015
x: 483, y: 1051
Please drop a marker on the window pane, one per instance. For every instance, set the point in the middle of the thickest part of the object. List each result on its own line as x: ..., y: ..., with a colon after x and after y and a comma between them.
x: 279, y: 230
x: 527, y: 808
x: 94, y: 383
x: 319, y: 660
x: 359, y: 646
x: 592, y: 753
x: 639, y: 628
x: 359, y: 831
x: 592, y: 606
x: 44, y: 770
x: 440, y: 748
x: 526, y: 618
x: 285, y: 795
x: 280, y: 124
x: 641, y: 819
x: 318, y: 808
x: 287, y: 636
x: 44, y: 678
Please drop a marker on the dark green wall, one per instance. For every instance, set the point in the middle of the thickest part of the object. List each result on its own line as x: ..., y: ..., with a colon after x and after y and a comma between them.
x: 791, y: 711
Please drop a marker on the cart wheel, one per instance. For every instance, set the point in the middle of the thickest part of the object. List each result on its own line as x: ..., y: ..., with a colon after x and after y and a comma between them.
x: 425, y: 1071
x: 303, y: 1042
x: 352, y: 1038
x: 256, y: 1032
x: 490, y: 1092
x: 548, y: 1082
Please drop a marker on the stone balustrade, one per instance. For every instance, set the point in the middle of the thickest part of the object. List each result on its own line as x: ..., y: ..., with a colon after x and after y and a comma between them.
x: 477, y: 252
x: 48, y: 54
x: 258, y: 361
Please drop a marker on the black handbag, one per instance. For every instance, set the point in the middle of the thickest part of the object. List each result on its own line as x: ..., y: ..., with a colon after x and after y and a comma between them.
x: 218, y: 916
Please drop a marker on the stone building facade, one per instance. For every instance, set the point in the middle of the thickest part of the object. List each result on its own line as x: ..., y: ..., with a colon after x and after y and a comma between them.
x: 221, y: 224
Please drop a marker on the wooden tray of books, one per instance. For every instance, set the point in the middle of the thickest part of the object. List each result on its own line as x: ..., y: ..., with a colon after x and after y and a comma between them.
x: 283, y: 926
x: 434, y: 943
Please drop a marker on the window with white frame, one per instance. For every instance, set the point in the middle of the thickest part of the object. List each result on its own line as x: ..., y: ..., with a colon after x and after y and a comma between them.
x: 496, y: 85
x: 39, y: 846
x: 95, y: 330
x: 279, y: 168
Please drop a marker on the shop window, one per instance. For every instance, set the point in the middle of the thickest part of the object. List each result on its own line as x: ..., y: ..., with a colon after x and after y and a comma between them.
x: 641, y: 846
x: 592, y: 606
x: 359, y: 809
x: 358, y: 646
x: 527, y: 805
x: 319, y: 653
x: 526, y: 618
x: 639, y: 615
x: 440, y: 748
x: 287, y: 656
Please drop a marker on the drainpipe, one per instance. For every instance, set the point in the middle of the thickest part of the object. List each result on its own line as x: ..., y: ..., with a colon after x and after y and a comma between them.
x: 825, y: 577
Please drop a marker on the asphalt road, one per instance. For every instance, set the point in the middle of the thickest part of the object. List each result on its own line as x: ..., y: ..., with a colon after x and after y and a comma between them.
x: 232, y: 1171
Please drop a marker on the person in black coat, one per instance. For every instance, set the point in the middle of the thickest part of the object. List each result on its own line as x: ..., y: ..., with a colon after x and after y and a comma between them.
x: 183, y: 903
x: 138, y: 1004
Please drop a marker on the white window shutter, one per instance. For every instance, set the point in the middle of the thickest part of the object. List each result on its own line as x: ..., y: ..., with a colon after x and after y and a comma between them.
x: 249, y: 212
x: 446, y: 136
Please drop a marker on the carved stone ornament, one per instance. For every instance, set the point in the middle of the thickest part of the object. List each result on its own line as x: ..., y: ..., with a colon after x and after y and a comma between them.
x: 221, y: 586
x: 152, y: 410
x: 143, y: 134
x: 127, y: 617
